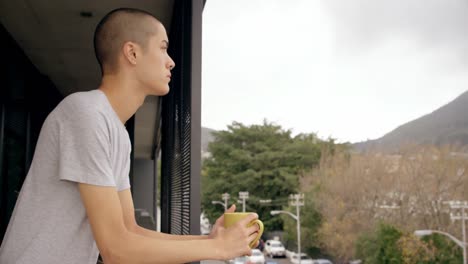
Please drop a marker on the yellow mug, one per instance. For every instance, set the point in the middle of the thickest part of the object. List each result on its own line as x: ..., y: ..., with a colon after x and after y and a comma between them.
x: 231, y: 218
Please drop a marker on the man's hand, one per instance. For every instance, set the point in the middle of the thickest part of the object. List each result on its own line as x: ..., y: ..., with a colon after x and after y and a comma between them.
x: 220, y: 222
x: 234, y: 241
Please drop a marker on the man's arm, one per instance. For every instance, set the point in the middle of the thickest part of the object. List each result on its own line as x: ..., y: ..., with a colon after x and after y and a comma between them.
x: 128, y: 211
x: 119, y: 245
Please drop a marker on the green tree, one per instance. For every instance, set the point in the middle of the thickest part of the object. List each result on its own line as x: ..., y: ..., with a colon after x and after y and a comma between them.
x: 380, y: 247
x: 311, y: 220
x: 415, y: 250
x: 389, y: 245
x: 264, y: 160
x: 429, y: 250
x: 446, y: 250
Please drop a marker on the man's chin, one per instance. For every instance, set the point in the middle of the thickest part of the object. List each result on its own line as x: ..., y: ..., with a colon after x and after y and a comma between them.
x: 160, y: 91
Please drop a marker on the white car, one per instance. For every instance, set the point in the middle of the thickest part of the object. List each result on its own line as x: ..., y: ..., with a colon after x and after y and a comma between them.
x: 304, y: 259
x: 274, y: 248
x: 322, y: 261
x: 289, y: 254
x: 257, y: 257
x: 239, y: 260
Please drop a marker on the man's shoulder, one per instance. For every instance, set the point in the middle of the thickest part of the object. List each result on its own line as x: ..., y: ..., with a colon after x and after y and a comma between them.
x: 80, y: 107
x: 85, y: 98
x: 79, y: 103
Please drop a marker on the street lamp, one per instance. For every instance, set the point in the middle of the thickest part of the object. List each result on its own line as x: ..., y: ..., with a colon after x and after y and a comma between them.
x: 243, y: 196
x: 421, y: 233
x: 462, y: 206
x: 225, y: 197
x: 298, y: 226
x: 221, y: 203
x: 298, y: 201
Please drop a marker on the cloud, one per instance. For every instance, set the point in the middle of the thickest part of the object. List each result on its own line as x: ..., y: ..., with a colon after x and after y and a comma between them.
x: 339, y: 69
x: 433, y: 24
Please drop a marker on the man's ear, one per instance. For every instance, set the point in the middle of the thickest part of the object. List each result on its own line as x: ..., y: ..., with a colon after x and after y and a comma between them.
x: 130, y: 52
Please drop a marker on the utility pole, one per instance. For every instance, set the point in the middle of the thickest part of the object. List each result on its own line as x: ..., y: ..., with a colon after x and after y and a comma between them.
x: 298, y: 201
x: 243, y: 196
x: 462, y: 206
x: 225, y: 197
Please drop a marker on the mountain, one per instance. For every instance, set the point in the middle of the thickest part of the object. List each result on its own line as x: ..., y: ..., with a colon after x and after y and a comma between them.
x: 446, y: 125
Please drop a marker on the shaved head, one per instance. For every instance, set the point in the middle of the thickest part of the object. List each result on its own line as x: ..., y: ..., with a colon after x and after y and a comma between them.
x: 118, y: 27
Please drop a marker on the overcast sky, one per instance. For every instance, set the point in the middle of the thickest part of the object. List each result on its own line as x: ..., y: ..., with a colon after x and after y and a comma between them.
x: 349, y: 69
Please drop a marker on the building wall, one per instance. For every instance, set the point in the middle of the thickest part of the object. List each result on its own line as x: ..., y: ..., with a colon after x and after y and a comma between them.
x: 144, y: 192
x: 26, y: 98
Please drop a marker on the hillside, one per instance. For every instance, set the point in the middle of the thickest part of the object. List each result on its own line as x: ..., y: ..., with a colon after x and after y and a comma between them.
x: 446, y: 125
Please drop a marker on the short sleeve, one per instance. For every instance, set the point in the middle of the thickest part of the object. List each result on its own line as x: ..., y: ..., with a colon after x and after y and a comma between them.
x: 124, y: 180
x: 124, y: 184
x: 84, y: 149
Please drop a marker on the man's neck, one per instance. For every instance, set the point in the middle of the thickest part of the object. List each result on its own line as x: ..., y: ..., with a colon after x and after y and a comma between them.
x: 124, y: 96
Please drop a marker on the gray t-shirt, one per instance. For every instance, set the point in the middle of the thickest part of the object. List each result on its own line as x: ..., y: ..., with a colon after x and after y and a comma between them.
x: 81, y: 141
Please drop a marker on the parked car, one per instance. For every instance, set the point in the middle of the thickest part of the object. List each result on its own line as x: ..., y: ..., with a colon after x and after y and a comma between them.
x: 289, y: 254
x: 257, y: 257
x: 322, y: 261
x: 304, y: 259
x: 274, y: 248
x: 240, y: 260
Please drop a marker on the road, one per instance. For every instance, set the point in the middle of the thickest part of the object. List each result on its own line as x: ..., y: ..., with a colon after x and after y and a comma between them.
x: 268, y: 260
x: 278, y: 260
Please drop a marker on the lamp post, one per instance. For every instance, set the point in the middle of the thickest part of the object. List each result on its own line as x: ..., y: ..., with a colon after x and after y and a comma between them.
x: 462, y: 244
x: 243, y: 196
x: 462, y: 206
x: 298, y: 201
x: 225, y: 197
x: 220, y: 203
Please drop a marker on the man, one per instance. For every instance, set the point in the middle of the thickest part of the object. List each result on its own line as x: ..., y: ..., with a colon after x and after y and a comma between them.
x: 76, y: 200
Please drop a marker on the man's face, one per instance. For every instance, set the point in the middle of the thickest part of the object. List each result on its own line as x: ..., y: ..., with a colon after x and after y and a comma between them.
x: 154, y: 66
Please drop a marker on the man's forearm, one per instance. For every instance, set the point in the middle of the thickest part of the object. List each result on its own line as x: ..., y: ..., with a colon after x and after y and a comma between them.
x: 154, y: 234
x: 134, y: 248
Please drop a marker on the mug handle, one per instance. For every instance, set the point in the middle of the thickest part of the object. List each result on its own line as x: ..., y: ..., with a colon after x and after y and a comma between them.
x: 260, y: 232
